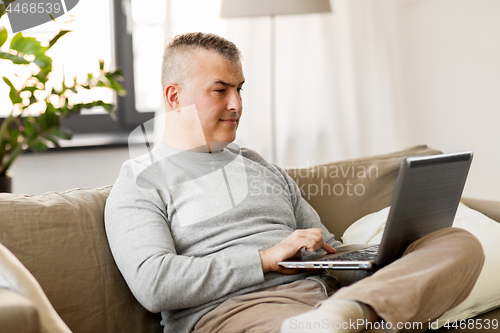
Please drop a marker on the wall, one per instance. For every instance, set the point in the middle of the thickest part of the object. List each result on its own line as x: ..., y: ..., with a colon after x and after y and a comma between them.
x: 450, y: 71
x: 37, y: 173
x: 448, y: 96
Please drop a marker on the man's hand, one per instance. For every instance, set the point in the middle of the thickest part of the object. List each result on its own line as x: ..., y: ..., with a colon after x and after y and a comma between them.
x: 310, y: 239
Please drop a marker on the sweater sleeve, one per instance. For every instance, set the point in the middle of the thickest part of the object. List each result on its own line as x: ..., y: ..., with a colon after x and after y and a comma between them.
x: 144, y: 250
x: 305, y: 215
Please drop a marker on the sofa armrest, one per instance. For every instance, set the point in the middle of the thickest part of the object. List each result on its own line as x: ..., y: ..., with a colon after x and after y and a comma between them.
x: 17, y: 313
x: 487, y: 207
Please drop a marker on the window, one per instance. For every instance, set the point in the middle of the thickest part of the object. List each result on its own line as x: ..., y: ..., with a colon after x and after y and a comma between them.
x: 126, y: 34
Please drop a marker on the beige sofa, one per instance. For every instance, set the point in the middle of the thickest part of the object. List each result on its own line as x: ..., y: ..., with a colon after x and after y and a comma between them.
x: 60, y: 238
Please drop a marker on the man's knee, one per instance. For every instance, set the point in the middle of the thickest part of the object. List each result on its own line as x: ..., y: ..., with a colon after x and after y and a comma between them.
x: 468, y: 239
x: 458, y: 240
x: 464, y: 240
x: 471, y: 246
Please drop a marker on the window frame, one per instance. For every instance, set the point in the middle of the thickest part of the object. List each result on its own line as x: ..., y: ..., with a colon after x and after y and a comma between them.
x: 113, y: 132
x: 126, y: 112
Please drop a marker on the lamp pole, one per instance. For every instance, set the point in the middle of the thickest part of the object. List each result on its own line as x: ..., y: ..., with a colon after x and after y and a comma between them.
x: 274, y: 146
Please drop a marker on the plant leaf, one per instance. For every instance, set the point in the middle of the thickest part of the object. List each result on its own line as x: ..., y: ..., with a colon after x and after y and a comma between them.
x: 3, y: 35
x: 30, y: 89
x: 63, y: 133
x: 115, y: 85
x: 102, y: 83
x: 42, y: 76
x: 13, y: 94
x: 44, y: 62
x: 56, y: 38
x: 13, y: 139
x: 76, y: 108
x: 118, y: 73
x: 26, y: 45
x: 49, y: 118
x: 3, y: 5
x: 30, y: 127
x: 14, y: 58
x: 52, y: 139
x: 38, y: 145
x: 108, y: 107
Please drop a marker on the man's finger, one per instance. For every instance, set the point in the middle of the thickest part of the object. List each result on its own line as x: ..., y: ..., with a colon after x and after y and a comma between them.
x: 328, y: 248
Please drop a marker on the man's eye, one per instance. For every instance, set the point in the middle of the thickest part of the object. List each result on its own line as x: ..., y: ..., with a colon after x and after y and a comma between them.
x: 221, y: 90
x: 240, y: 90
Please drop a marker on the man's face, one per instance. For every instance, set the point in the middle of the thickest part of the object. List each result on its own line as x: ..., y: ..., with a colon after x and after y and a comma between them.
x: 215, y: 89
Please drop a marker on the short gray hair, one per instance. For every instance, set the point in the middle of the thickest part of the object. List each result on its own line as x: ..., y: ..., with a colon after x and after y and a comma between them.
x: 177, y: 55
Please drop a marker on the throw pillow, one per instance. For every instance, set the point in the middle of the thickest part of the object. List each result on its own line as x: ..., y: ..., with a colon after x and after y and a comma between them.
x: 15, y: 276
x: 485, y: 295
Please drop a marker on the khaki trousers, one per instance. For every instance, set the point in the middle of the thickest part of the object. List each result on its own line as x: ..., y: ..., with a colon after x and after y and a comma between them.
x: 436, y: 273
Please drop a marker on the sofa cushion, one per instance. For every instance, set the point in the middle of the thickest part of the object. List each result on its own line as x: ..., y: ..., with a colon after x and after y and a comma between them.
x: 485, y: 295
x: 342, y: 192
x: 17, y: 313
x: 60, y: 238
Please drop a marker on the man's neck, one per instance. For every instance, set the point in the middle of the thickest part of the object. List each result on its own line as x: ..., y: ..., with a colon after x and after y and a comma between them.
x: 183, y: 130
x: 214, y: 147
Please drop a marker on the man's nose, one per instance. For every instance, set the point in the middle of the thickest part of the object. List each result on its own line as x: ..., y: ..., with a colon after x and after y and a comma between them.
x: 235, y: 104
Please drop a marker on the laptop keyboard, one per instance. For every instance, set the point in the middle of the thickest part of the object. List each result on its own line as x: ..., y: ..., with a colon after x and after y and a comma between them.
x: 362, y: 255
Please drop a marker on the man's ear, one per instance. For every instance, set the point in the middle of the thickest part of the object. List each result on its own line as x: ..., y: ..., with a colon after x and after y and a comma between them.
x: 172, y: 96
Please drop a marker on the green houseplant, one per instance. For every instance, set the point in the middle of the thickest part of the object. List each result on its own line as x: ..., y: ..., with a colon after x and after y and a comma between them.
x: 21, y: 130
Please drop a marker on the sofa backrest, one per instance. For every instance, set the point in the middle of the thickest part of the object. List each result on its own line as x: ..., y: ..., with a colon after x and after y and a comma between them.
x: 60, y: 238
x: 342, y: 192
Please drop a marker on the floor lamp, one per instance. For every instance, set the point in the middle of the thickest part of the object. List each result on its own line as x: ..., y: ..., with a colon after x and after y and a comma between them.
x: 248, y: 8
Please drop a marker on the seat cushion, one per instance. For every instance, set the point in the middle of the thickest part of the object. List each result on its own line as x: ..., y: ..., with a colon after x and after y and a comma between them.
x: 60, y: 238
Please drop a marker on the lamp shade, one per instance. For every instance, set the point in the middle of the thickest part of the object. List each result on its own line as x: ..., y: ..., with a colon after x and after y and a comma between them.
x: 244, y: 8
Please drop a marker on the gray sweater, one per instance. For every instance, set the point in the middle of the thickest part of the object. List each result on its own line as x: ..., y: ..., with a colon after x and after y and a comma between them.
x: 185, y: 228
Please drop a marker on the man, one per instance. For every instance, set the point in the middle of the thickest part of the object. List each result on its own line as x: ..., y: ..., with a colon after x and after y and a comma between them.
x: 197, y: 226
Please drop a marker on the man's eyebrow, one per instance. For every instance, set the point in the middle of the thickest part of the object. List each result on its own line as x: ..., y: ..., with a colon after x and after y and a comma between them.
x: 227, y: 84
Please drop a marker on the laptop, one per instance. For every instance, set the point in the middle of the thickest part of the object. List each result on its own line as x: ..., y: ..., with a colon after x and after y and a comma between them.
x: 425, y: 199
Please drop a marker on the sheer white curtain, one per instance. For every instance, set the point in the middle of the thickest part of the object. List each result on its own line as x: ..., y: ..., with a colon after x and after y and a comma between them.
x: 336, y: 77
